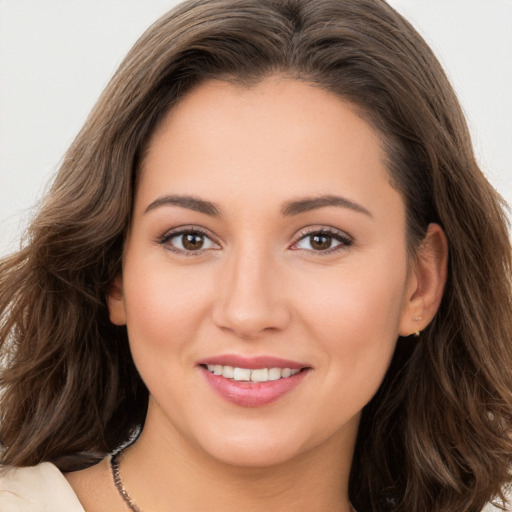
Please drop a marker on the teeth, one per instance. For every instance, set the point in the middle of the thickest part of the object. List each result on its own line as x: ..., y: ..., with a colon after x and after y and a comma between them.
x: 259, y: 375
x: 228, y: 372
x: 241, y: 374
x: 274, y: 373
x: 248, y: 375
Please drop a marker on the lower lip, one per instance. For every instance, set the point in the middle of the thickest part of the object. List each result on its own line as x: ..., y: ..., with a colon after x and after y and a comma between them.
x: 252, y: 394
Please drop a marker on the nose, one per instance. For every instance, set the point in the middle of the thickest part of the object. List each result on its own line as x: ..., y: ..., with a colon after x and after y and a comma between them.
x: 250, y: 299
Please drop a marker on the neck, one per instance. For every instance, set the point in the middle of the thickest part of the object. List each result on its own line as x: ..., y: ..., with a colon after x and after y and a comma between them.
x: 173, y: 474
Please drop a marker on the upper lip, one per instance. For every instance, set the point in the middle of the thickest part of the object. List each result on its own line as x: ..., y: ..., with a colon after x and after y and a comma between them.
x: 252, y: 363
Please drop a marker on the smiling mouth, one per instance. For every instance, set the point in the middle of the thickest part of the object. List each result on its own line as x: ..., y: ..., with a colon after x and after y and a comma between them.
x: 251, y: 375
x: 265, y: 381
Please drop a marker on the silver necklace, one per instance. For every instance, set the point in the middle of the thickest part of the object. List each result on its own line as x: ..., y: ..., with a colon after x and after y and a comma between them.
x: 116, y: 475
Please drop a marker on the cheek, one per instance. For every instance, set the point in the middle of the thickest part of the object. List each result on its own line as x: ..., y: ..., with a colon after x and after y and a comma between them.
x: 358, y: 298
x: 354, y: 317
x: 164, y: 311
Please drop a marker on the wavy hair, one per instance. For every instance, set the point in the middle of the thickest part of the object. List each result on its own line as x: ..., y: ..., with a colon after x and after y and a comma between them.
x: 437, y: 435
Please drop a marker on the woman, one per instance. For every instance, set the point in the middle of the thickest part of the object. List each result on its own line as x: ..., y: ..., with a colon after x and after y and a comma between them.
x: 270, y: 263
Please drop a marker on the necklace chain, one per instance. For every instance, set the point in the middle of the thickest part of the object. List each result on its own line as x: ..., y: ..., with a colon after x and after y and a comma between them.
x: 116, y: 474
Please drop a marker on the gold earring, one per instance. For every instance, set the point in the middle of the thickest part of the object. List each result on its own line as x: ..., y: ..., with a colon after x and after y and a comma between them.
x: 417, y: 333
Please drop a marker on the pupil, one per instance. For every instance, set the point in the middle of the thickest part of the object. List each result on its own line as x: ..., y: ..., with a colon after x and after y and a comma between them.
x: 193, y: 241
x: 321, y: 242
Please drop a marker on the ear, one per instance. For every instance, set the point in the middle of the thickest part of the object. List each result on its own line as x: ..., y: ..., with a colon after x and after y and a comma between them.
x: 426, y: 282
x: 115, y: 302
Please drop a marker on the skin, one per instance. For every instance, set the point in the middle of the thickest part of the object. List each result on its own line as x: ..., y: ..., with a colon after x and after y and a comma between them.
x: 258, y: 286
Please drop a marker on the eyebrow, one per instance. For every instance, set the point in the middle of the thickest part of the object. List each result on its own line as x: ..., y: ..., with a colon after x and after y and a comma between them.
x: 313, y: 203
x: 289, y: 209
x: 189, y: 202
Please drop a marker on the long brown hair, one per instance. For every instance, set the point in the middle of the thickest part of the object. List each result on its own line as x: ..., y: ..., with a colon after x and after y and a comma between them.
x: 437, y: 435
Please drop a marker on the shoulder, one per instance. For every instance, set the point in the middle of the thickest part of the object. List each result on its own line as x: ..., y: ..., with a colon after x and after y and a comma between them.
x: 36, y: 489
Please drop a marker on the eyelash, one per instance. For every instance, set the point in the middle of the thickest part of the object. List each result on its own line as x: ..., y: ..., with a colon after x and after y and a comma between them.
x: 344, y: 240
x: 188, y: 230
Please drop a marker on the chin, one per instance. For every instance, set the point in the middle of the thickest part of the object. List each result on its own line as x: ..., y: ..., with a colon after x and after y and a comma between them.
x: 253, y: 449
x: 265, y: 445
x: 252, y: 456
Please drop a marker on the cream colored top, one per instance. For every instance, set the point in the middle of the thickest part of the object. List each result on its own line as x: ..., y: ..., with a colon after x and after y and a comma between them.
x: 43, y: 488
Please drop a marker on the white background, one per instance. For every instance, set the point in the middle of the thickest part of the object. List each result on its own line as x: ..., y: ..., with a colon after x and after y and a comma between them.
x: 57, y: 55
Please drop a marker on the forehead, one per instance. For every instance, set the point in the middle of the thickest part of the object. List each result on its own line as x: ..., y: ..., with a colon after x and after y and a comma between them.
x: 278, y: 137
x: 303, y: 108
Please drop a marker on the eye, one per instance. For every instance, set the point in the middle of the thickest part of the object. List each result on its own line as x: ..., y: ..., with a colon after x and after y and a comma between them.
x: 323, y: 241
x: 188, y: 241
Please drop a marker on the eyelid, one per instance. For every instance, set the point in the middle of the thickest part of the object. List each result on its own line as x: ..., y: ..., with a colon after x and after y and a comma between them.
x: 188, y: 228
x: 344, y: 238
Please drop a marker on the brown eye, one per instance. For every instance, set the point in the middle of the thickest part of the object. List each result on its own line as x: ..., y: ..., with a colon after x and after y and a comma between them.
x: 323, y: 241
x: 192, y: 241
x: 320, y: 242
x: 188, y: 241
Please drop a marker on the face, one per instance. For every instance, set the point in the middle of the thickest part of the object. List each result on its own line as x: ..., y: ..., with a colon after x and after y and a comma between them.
x: 265, y: 236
